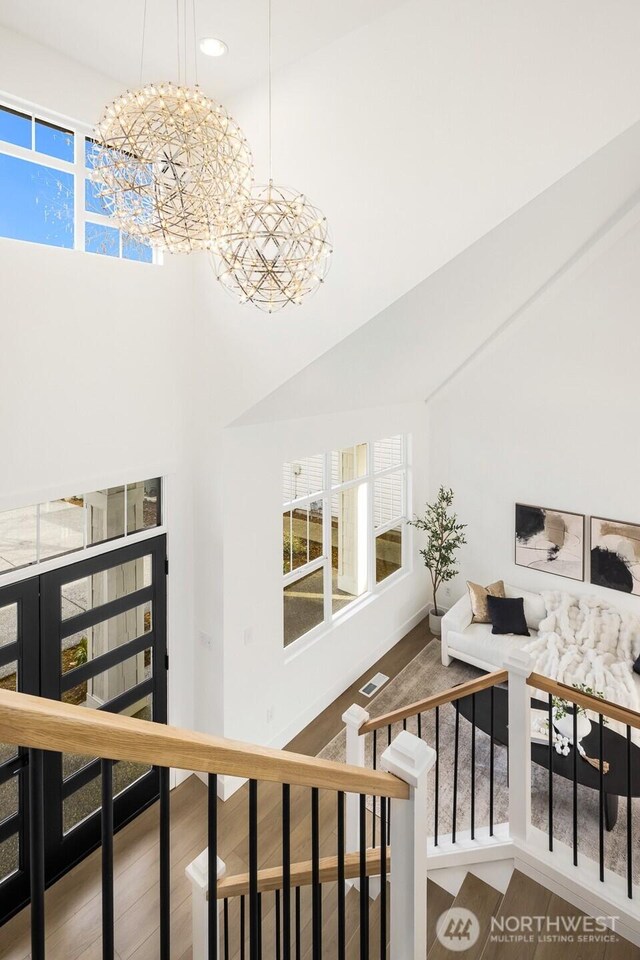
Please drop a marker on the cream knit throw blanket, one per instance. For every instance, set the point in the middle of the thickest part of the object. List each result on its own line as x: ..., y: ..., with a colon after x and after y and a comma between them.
x: 584, y: 640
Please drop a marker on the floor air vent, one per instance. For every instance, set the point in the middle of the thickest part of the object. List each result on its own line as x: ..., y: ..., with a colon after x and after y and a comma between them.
x: 372, y: 686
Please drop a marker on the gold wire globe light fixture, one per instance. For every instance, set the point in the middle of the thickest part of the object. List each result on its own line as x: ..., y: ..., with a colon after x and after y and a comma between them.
x: 169, y: 163
x: 279, y: 250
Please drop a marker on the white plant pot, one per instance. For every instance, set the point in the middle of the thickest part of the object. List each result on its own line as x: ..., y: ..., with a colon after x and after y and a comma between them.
x: 564, y: 726
x: 435, y: 623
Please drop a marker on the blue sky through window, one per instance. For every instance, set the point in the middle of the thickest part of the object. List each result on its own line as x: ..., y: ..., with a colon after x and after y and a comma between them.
x: 15, y: 128
x: 36, y: 202
x: 54, y: 141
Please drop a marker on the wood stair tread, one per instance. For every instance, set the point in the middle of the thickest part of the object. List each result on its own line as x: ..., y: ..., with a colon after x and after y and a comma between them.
x: 438, y: 900
x: 483, y: 900
x: 523, y: 897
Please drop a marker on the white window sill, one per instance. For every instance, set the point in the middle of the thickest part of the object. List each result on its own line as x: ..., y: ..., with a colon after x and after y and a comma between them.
x: 308, y: 640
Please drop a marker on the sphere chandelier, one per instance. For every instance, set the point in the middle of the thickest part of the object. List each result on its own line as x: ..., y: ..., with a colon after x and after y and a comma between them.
x: 279, y: 251
x: 169, y: 163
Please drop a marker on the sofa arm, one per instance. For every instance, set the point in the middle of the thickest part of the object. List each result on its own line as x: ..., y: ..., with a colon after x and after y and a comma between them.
x: 457, y: 619
x: 459, y: 616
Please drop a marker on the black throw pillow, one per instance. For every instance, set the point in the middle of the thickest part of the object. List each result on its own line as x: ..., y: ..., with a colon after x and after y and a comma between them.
x: 636, y: 665
x: 507, y: 615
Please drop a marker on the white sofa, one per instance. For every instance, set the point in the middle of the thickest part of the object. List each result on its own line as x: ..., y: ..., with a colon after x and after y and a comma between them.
x: 475, y: 643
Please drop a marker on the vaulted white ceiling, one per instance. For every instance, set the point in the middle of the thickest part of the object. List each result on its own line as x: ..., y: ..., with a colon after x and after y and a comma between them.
x: 108, y: 37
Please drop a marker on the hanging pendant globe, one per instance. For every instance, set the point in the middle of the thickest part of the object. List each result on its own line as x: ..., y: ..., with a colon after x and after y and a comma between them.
x: 279, y: 251
x: 171, y: 166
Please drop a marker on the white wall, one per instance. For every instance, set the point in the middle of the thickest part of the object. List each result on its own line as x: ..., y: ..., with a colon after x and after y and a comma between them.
x: 262, y: 675
x: 547, y: 415
x: 94, y: 365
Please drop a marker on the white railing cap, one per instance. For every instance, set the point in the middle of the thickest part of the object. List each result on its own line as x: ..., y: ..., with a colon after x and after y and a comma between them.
x: 518, y: 662
x: 408, y: 758
x: 355, y: 716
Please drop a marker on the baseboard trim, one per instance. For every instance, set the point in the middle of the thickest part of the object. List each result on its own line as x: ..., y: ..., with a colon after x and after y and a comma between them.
x: 227, y: 786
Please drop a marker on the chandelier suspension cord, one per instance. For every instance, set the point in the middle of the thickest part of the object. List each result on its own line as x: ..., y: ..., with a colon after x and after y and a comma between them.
x: 144, y: 29
x: 270, y: 97
x: 195, y: 45
x: 184, y: 40
x: 178, y: 37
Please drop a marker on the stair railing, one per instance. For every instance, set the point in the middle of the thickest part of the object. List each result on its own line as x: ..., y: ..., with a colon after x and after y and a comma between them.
x: 364, y: 735
x: 563, y: 866
x: 37, y: 725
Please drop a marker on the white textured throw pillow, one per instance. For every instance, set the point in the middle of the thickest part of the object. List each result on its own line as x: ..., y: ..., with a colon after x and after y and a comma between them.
x: 534, y: 607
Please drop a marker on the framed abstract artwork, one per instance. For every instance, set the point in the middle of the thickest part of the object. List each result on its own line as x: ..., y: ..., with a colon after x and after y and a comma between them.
x: 550, y: 540
x: 615, y: 555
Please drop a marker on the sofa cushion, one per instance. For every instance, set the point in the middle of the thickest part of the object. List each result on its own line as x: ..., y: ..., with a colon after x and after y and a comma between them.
x: 534, y: 607
x: 478, y: 643
x: 507, y: 615
x: 478, y: 598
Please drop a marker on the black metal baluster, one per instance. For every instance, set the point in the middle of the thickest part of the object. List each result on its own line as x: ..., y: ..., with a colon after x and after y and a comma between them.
x: 601, y: 791
x: 298, y: 926
x: 375, y: 764
x: 419, y: 726
x: 629, y: 820
x: 242, y: 926
x: 364, y: 893
x: 388, y: 734
x: 36, y: 852
x: 254, y: 919
x: 473, y: 766
x: 550, y: 787
x: 342, y: 927
x: 165, y: 866
x: 316, y: 889
x: 575, y: 786
x: 212, y: 866
x: 437, y: 780
x: 491, y: 761
x: 226, y: 928
x: 286, y: 871
x: 383, y: 884
x: 106, y: 816
x: 404, y: 723
x: 278, y: 954
x: 455, y: 775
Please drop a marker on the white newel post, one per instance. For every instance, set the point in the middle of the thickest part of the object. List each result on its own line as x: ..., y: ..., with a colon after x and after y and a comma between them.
x: 197, y: 872
x: 354, y: 718
x: 518, y: 663
x: 410, y: 759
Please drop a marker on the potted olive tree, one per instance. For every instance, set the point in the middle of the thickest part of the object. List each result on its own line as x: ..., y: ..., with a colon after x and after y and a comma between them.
x: 444, y: 538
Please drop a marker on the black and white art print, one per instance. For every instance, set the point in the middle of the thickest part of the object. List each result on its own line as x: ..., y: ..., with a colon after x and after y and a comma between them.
x: 550, y: 540
x: 615, y: 555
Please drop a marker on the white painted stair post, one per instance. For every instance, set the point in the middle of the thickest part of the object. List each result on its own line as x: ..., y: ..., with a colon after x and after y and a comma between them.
x: 410, y: 759
x: 354, y: 718
x: 197, y: 873
x: 518, y: 663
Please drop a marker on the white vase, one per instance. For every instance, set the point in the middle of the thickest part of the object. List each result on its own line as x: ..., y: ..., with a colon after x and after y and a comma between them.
x: 435, y: 623
x: 564, y: 726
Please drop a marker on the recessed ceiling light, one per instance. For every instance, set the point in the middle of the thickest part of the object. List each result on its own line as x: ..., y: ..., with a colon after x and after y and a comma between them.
x: 213, y: 47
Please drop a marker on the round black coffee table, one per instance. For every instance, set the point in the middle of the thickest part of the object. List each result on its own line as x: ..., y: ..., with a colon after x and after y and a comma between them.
x: 614, y: 748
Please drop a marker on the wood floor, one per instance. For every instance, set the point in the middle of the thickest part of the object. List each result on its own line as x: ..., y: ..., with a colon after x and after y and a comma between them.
x: 73, y: 905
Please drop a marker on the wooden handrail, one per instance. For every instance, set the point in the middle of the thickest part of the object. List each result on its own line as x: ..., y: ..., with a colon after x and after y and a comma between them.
x: 301, y: 874
x: 30, y: 721
x: 436, y: 700
x: 565, y: 692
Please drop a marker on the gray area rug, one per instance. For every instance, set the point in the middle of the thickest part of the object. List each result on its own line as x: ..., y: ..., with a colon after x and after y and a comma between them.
x: 424, y: 676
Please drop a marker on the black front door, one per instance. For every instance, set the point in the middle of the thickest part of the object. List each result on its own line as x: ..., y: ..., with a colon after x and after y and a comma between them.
x: 100, y: 642
x: 19, y: 670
